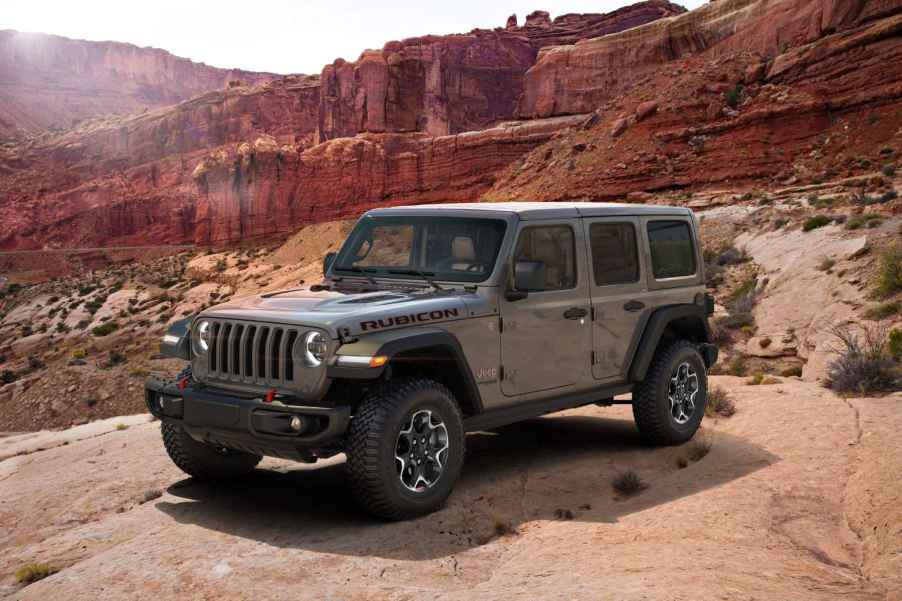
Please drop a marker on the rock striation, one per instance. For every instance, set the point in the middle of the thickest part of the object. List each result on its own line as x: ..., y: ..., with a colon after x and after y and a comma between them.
x: 421, y: 119
x: 48, y: 81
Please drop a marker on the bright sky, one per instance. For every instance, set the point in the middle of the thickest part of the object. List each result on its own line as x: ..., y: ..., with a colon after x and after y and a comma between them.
x: 281, y: 36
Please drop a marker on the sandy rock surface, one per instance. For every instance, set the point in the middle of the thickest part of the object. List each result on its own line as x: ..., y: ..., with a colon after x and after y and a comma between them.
x: 798, y: 498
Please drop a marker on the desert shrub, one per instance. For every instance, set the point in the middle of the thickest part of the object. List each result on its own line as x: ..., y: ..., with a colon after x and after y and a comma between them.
x: 33, y: 572
x: 815, y: 222
x: 738, y: 365
x: 719, y: 335
x: 731, y: 256
x: 864, y: 362
x: 699, y: 449
x: 868, y: 221
x: 895, y: 344
x: 8, y: 376
x: 83, y: 323
x: 888, y: 196
x: 765, y: 342
x: 889, y: 271
x: 221, y: 265
x: 628, y: 483
x: 719, y: 403
x: 826, y: 264
x: 795, y: 371
x: 734, y: 96
x: 105, y: 329
x: 889, y: 170
x: 735, y: 321
x: 882, y: 311
x: 79, y: 353
x: 35, y: 364
x: 760, y: 379
x: 61, y: 327
x: 121, y: 427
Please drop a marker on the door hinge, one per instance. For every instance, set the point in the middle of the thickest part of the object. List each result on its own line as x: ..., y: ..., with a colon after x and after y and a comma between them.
x: 500, y: 372
x: 500, y: 325
x: 592, y: 312
x: 593, y: 357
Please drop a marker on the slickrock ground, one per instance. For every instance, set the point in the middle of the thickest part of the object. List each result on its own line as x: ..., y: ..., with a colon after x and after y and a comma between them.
x: 798, y: 498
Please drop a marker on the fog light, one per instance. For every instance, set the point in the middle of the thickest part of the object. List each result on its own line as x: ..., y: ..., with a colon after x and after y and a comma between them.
x: 296, y: 423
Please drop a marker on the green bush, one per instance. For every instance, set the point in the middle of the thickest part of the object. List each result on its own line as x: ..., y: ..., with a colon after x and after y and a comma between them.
x: 33, y: 572
x: 8, y: 376
x: 105, y: 329
x: 815, y: 222
x: 889, y: 271
x: 883, y: 311
x: 734, y: 96
x: 895, y: 344
x: 864, y: 363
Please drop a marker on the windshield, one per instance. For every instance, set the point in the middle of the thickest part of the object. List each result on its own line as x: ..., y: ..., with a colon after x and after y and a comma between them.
x: 444, y: 248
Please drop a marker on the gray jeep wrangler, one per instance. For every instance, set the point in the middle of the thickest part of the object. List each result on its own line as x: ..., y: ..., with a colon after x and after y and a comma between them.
x: 434, y: 321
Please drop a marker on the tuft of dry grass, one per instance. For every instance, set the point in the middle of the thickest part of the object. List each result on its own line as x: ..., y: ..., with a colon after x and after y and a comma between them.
x: 760, y: 379
x: 563, y: 514
x: 34, y: 572
x: 719, y: 403
x: 864, y: 362
x: 889, y: 271
x: 628, y: 483
x: 121, y: 427
x: 698, y: 450
x: 504, y: 527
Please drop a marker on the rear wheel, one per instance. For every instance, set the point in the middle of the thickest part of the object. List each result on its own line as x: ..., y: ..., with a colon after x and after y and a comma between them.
x: 205, y: 462
x: 405, y: 449
x: 670, y: 403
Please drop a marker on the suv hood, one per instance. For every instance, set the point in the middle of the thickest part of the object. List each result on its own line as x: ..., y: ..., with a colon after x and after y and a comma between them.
x: 351, y: 313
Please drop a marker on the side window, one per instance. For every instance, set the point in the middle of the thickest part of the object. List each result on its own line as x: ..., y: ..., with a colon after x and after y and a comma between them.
x: 672, y: 253
x: 615, y: 257
x: 555, y: 247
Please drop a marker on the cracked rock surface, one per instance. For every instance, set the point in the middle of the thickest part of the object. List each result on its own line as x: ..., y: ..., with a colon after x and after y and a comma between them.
x: 798, y: 498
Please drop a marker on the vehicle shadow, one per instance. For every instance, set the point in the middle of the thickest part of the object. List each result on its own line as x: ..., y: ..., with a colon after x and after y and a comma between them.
x: 543, y: 469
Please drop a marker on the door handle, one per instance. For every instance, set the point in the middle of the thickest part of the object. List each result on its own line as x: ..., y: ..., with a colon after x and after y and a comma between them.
x: 634, y: 306
x: 575, y: 313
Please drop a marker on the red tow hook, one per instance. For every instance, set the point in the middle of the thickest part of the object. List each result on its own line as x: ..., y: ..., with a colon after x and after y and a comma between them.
x: 183, y: 383
x: 270, y: 396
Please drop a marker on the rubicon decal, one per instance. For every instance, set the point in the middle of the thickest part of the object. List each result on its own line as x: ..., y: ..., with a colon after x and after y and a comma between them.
x: 404, y: 320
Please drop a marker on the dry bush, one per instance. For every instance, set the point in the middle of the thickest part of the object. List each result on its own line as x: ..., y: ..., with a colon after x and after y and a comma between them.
x: 33, y: 572
x: 698, y: 450
x: 628, y: 483
x: 719, y: 403
x: 889, y: 271
x: 864, y: 363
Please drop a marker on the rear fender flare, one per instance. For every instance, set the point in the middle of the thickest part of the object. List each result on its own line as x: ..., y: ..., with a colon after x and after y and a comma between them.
x: 691, y: 318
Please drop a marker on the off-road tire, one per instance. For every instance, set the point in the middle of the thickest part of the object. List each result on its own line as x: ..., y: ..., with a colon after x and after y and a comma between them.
x: 651, y: 407
x: 372, y: 438
x: 202, y: 461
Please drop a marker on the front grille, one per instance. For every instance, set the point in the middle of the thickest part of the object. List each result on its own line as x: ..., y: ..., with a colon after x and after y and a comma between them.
x: 252, y: 353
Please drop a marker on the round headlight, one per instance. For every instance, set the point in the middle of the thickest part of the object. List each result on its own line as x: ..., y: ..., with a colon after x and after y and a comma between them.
x: 315, y: 348
x: 203, y: 336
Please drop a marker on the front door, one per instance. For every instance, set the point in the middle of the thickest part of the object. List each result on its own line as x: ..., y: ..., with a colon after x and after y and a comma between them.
x: 618, y: 290
x: 546, y: 337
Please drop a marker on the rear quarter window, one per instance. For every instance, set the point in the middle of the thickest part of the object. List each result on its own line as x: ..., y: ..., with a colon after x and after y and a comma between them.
x: 672, y: 250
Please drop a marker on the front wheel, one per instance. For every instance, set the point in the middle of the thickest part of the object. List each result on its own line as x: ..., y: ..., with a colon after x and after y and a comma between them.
x: 205, y: 462
x: 405, y: 449
x: 669, y: 404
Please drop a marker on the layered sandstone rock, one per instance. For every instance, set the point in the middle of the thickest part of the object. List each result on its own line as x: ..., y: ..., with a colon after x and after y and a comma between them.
x: 129, y: 181
x: 52, y: 81
x: 262, y: 189
x: 819, y: 97
x: 580, y: 77
x: 449, y: 84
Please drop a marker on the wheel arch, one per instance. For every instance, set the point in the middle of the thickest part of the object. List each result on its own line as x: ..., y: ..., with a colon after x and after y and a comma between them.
x: 431, y: 353
x: 666, y: 324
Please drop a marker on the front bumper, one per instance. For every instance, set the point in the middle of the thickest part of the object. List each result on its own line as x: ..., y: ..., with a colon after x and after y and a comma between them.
x: 248, y: 424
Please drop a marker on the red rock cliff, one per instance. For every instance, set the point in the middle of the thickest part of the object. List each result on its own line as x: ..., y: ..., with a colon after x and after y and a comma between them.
x: 50, y: 81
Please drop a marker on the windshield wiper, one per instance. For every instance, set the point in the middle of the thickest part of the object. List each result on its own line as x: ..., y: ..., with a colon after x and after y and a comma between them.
x: 423, y: 274
x: 362, y: 271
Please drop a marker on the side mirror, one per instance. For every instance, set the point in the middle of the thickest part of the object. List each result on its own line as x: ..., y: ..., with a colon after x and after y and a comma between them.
x: 529, y: 276
x: 327, y: 261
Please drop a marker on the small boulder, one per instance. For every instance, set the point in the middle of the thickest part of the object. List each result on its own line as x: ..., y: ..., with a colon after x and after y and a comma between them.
x: 754, y: 73
x: 782, y: 344
x: 714, y: 110
x: 618, y: 128
x: 511, y: 22
x: 646, y: 110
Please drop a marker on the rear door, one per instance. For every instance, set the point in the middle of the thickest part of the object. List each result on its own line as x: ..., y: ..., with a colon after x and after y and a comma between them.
x: 546, y: 339
x: 618, y: 289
